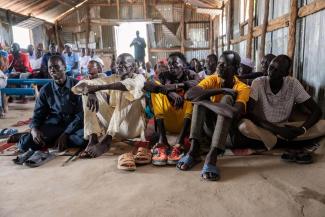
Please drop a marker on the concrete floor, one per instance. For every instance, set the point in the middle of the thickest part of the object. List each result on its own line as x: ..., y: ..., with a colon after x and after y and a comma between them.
x: 250, y: 186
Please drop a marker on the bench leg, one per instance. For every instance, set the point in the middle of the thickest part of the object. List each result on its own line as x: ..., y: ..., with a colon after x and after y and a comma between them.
x: 5, y: 103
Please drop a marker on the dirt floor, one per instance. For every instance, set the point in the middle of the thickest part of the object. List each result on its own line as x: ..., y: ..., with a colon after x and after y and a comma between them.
x: 249, y: 186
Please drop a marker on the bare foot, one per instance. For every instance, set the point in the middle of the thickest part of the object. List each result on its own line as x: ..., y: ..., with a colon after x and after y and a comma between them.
x: 101, y: 147
x: 93, y: 140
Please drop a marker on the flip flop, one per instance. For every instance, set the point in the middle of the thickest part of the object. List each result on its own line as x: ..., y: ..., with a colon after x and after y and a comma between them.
x: 6, y: 132
x: 20, y: 159
x: 38, y: 158
x: 187, y: 160
x: 213, y: 170
x: 297, y: 157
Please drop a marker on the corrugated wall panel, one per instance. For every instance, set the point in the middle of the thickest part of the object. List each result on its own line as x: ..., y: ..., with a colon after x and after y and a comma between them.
x: 198, y: 34
x: 310, y: 55
x: 199, y: 54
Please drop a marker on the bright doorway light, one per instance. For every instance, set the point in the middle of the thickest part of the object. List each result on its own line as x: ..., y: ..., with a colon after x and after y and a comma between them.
x: 125, y: 33
x: 21, y: 36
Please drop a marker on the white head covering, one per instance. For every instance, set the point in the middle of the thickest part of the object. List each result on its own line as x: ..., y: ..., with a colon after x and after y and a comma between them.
x: 247, y: 62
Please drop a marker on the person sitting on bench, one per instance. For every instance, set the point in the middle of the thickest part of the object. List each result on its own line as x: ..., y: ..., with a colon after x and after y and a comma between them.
x: 271, y: 103
x: 19, y: 65
x: 218, y: 99
x: 3, y: 82
x: 53, y: 51
x: 58, y: 116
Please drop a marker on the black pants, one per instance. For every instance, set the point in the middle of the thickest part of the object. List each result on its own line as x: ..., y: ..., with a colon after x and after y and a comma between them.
x: 51, y: 133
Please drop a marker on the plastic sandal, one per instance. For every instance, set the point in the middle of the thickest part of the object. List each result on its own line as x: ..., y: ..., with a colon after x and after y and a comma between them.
x: 143, y: 156
x: 212, y: 169
x: 38, y: 158
x: 20, y: 159
x: 6, y: 132
x: 187, y: 160
x: 126, y: 162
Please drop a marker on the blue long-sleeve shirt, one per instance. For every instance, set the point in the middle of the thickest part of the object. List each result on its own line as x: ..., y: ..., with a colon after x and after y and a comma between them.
x: 59, y: 106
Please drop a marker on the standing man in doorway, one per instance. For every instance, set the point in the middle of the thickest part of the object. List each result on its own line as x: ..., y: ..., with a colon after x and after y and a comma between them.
x: 139, y: 49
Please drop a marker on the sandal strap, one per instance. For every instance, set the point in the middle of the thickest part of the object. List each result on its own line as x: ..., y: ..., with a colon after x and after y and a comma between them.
x: 209, y: 168
x: 142, y: 152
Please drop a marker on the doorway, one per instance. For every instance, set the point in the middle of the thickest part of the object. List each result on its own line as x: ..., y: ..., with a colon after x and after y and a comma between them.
x: 124, y: 35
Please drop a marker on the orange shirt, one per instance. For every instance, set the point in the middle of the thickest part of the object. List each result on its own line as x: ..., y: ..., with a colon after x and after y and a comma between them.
x: 214, y: 81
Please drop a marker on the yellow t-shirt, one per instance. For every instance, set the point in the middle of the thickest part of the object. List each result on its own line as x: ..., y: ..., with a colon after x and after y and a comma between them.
x: 214, y: 81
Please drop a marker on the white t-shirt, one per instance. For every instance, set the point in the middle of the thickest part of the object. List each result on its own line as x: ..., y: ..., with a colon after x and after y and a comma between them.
x: 277, y: 108
x: 3, y: 80
x: 35, y: 63
x: 84, y: 61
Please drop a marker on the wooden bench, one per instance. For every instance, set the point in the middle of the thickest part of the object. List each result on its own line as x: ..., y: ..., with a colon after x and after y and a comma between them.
x: 21, y: 91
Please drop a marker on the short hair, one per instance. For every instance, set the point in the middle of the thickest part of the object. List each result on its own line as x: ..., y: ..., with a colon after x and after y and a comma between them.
x: 58, y: 57
x: 236, y: 57
x: 179, y: 55
x: 213, y: 56
x: 269, y: 57
x: 99, y: 66
x: 285, y: 61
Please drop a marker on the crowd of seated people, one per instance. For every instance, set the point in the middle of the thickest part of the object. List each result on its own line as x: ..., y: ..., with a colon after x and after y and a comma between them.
x: 198, y: 104
x: 32, y: 63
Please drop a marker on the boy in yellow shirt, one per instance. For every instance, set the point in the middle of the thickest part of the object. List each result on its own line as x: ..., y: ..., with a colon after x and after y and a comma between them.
x: 218, y: 99
x: 172, y: 112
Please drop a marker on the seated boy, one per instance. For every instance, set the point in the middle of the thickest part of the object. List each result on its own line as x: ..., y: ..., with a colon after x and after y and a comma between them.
x: 58, y: 116
x: 218, y: 99
x: 171, y: 111
x: 271, y: 102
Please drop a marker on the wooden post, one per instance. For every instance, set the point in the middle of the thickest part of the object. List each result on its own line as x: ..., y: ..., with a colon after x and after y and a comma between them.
x: 57, y: 38
x: 230, y: 22
x: 148, y: 43
x: 261, y: 52
x: 217, y: 21
x: 118, y: 9
x: 292, y: 27
x: 250, y: 30
x: 211, y: 37
x: 222, y: 42
x: 183, y: 28
x: 145, y: 9
x: 88, y: 26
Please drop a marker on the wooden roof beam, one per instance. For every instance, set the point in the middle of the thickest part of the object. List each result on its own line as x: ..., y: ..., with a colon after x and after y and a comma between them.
x: 65, y: 3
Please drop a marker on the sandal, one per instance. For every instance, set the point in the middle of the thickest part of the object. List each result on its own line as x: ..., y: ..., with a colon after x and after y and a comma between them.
x: 143, y: 156
x: 126, y: 162
x: 211, y: 171
x: 300, y: 157
x: 38, y: 158
x: 187, y: 160
x: 6, y: 132
x: 20, y: 159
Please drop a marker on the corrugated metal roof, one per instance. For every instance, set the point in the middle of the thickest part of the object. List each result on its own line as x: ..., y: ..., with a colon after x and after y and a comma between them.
x: 49, y: 10
x: 44, y: 9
